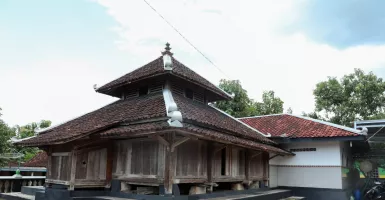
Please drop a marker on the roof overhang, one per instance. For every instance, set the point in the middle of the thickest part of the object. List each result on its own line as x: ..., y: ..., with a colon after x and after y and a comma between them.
x: 318, y: 139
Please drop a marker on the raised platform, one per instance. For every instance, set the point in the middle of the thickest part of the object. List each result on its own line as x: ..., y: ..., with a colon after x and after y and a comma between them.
x: 38, y: 193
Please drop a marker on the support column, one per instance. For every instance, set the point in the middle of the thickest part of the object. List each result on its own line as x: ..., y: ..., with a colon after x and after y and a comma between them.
x: 73, y: 170
x: 170, y: 164
x: 110, y: 159
x: 247, y: 166
x: 210, y: 156
x: 265, y: 157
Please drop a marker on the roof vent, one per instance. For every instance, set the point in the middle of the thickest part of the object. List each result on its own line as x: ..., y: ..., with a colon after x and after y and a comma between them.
x: 167, y: 61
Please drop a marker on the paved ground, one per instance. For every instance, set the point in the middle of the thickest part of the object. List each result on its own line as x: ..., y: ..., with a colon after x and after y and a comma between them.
x: 234, y: 197
x: 18, y: 194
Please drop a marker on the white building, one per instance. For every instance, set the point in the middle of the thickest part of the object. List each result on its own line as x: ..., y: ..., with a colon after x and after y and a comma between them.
x: 323, y: 154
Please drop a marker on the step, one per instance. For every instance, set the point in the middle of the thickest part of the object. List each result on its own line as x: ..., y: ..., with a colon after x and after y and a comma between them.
x: 265, y: 195
x: 16, y: 196
x: 294, y: 198
x: 31, y: 190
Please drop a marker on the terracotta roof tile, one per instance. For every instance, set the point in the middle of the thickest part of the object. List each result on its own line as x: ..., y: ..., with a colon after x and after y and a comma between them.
x: 204, y: 114
x: 150, y: 106
x: 295, y: 127
x: 40, y: 160
x: 155, y: 68
x: 205, y: 133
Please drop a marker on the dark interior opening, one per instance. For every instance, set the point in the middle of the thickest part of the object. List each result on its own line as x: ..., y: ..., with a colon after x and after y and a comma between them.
x: 143, y: 90
x: 223, y: 161
x: 189, y: 93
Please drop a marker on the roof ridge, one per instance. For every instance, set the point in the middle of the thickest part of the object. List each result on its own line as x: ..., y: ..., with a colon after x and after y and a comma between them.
x: 248, y: 126
x: 259, y: 116
x: 229, y: 95
x: 329, y: 124
x: 59, y: 124
x: 311, y: 119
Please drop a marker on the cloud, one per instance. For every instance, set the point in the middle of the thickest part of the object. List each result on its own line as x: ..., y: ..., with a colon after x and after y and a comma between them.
x: 342, y: 23
x: 244, y: 39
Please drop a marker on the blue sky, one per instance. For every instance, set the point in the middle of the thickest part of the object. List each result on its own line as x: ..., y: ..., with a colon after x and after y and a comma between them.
x: 52, y: 52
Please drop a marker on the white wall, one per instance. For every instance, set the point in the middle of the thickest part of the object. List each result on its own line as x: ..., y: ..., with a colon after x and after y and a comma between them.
x: 314, y: 177
x: 273, y: 176
x: 316, y: 169
x: 326, y: 154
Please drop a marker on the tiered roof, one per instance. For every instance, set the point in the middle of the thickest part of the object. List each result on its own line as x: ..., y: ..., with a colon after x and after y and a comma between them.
x: 149, y: 113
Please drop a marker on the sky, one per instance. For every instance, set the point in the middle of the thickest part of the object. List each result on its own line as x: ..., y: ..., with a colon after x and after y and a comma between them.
x: 52, y: 52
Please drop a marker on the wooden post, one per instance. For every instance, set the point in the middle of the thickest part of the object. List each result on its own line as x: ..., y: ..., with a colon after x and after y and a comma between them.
x: 210, y: 156
x: 110, y: 158
x: 73, y: 170
x: 170, y: 164
x: 247, y: 165
x: 49, y: 164
x: 265, y: 158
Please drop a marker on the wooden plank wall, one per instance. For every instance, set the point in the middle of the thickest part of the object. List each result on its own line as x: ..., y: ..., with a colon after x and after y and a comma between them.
x: 191, y: 159
x: 257, y: 166
x: 235, y: 162
x: 137, y: 157
x: 91, y: 165
x: 60, y: 168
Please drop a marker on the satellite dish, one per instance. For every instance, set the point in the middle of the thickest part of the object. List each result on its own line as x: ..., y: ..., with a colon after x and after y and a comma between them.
x: 366, y: 166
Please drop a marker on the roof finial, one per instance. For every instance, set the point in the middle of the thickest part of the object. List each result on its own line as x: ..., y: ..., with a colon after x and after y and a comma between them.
x: 167, y: 50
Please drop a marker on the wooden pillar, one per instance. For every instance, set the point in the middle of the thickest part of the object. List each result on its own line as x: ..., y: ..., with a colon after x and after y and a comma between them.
x: 110, y: 159
x: 49, y: 164
x: 210, y: 156
x: 170, y: 164
x: 247, y: 165
x: 73, y: 170
x: 265, y: 158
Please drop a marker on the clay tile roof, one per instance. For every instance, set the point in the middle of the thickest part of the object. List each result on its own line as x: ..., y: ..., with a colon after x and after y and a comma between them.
x: 155, y: 68
x: 203, y: 114
x: 40, y: 160
x: 205, y: 133
x: 149, y: 106
x: 297, y: 126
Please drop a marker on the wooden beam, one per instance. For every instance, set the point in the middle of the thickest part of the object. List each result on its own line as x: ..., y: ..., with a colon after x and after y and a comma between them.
x: 247, y: 165
x: 273, y: 157
x: 210, y: 155
x: 110, y: 157
x: 179, y: 142
x: 73, y: 170
x: 216, y: 150
x: 169, y: 165
x: 255, y: 154
x: 61, y: 154
x: 161, y: 140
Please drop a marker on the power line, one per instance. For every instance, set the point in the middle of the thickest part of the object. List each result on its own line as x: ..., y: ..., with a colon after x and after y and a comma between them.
x: 176, y: 30
x: 375, y: 133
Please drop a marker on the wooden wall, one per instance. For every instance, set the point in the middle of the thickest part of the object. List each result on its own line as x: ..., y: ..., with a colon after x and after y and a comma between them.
x: 257, y: 166
x: 91, y: 165
x: 191, y: 160
x: 228, y: 162
x: 60, y: 167
x: 138, y: 158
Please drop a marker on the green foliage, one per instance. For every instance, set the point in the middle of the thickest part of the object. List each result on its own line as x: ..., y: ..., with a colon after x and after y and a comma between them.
x: 357, y: 96
x: 5, y: 134
x: 242, y: 106
x: 29, y: 130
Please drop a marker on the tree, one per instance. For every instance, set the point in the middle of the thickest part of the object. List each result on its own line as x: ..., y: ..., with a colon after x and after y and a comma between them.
x: 357, y: 96
x: 289, y: 111
x: 270, y: 104
x: 5, y: 134
x: 242, y: 106
x: 29, y: 130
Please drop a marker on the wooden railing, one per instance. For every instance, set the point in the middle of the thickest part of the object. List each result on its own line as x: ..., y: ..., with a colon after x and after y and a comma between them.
x: 10, y: 183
